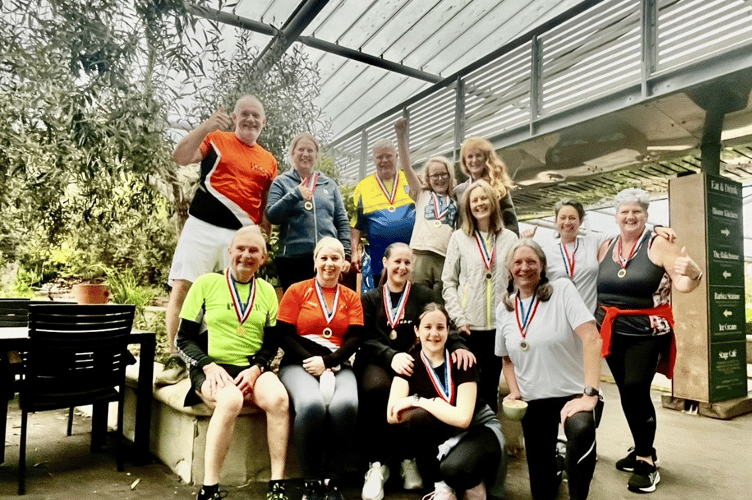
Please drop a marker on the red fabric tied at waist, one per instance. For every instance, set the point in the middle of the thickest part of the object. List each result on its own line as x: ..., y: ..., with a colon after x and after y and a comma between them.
x: 666, y: 363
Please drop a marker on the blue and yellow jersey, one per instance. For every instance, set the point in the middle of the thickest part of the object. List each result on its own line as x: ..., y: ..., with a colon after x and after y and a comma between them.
x: 383, y: 222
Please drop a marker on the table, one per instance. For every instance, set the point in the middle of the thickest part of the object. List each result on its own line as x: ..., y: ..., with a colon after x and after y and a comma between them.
x: 16, y: 338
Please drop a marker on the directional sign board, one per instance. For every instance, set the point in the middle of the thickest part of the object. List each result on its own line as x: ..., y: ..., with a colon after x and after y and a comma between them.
x: 725, y: 252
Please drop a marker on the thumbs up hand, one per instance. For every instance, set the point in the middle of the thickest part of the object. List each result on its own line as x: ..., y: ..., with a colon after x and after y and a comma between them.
x: 685, y: 266
x: 219, y: 120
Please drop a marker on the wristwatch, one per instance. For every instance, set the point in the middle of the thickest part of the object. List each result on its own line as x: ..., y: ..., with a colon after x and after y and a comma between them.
x: 591, y: 391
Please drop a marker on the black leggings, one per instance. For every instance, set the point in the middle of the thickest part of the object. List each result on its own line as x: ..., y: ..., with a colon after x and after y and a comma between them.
x: 475, y: 458
x: 482, y: 344
x: 540, y: 426
x: 633, y: 362
x: 381, y: 442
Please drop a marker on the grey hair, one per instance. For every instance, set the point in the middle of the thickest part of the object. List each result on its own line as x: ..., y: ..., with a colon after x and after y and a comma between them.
x: 384, y: 143
x: 632, y: 195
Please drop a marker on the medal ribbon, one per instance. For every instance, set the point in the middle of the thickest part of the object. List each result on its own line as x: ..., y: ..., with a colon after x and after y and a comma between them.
x: 395, y: 315
x: 446, y: 392
x: 440, y: 214
x: 527, y: 317
x: 618, y: 248
x: 241, y: 310
x: 569, y: 263
x: 488, y: 260
x: 328, y: 315
x: 394, y: 188
x: 312, y: 182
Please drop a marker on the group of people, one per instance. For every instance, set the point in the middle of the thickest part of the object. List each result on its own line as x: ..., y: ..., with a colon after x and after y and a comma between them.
x: 410, y: 371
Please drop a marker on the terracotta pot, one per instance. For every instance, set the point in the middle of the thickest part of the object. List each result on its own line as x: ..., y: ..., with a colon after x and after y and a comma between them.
x: 91, y: 293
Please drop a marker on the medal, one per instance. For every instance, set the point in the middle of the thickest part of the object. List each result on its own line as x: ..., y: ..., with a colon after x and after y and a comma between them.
x: 389, y: 197
x: 621, y: 260
x: 395, y: 314
x: 569, y: 262
x: 524, y: 318
x: 242, y: 311
x: 488, y: 258
x: 328, y: 314
x: 440, y: 214
x: 446, y: 392
x: 312, y: 186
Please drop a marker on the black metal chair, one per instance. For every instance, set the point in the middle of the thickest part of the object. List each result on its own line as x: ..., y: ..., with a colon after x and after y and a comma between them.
x: 77, y: 356
x: 14, y: 312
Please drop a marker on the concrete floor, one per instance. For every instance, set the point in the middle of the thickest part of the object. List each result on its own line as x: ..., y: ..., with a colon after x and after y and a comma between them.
x: 700, y: 458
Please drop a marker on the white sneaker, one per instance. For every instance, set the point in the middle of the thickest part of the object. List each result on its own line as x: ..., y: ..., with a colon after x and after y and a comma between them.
x: 442, y: 492
x: 410, y: 475
x: 373, y: 488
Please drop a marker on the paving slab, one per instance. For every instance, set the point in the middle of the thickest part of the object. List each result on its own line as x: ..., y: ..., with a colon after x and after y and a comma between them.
x: 700, y: 457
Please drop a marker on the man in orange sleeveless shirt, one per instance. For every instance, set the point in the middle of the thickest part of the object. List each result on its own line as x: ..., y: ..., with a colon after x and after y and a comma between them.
x: 236, y: 173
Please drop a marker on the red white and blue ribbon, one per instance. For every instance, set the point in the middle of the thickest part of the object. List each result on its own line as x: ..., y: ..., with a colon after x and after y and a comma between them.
x: 241, y: 310
x: 569, y: 262
x: 312, y: 183
x: 393, y: 196
x: 488, y: 258
x: 440, y: 214
x: 524, y: 318
x: 445, y: 390
x: 328, y: 314
x: 395, y: 314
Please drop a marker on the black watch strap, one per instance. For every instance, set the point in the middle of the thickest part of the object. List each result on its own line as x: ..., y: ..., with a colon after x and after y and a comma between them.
x: 591, y: 391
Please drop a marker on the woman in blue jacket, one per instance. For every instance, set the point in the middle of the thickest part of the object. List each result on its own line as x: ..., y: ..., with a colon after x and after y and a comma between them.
x: 307, y: 206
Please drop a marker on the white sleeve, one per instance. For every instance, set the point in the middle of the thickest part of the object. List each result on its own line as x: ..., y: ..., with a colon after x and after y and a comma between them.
x: 574, y: 307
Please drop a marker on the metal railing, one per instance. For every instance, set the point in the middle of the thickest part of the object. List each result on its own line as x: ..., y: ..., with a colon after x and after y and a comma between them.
x: 597, y: 57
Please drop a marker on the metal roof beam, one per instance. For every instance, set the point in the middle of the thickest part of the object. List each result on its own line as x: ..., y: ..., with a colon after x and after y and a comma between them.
x: 291, y: 30
x: 231, y: 19
x: 372, y: 60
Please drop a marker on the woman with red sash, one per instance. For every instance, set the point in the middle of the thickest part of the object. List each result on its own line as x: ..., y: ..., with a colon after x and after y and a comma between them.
x: 634, y: 280
x: 320, y: 323
x: 454, y: 434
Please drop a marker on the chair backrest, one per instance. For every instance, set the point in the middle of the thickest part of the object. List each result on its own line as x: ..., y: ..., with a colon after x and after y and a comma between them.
x: 14, y: 312
x: 75, y: 351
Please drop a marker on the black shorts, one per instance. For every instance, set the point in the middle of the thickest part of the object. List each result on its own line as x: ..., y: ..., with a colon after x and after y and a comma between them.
x: 198, y: 377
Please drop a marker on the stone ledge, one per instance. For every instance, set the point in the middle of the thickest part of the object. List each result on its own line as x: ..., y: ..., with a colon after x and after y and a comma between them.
x: 178, y: 436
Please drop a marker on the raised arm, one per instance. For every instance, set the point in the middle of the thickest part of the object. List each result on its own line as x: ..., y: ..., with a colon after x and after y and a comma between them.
x: 188, y: 150
x: 404, y: 157
x: 684, y: 272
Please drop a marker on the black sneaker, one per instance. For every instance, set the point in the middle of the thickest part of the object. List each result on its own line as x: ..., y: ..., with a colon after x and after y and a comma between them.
x: 276, y: 492
x: 627, y: 464
x: 313, y: 491
x: 333, y: 493
x: 215, y: 495
x: 644, y: 478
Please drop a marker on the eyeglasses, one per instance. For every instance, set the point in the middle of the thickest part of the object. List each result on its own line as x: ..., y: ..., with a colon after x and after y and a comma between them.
x: 436, y: 177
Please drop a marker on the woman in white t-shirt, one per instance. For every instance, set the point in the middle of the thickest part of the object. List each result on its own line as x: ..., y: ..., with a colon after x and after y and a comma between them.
x: 551, y: 351
x: 436, y: 212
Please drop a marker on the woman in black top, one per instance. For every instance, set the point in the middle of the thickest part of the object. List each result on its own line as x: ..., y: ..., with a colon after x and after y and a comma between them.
x: 388, y: 337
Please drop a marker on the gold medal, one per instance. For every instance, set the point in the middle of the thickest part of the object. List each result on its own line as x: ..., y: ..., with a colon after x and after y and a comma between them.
x: 524, y: 346
x: 327, y: 332
x: 622, y: 272
x: 393, y: 335
x: 308, y: 205
x: 437, y: 223
x: 240, y: 331
x: 392, y: 208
